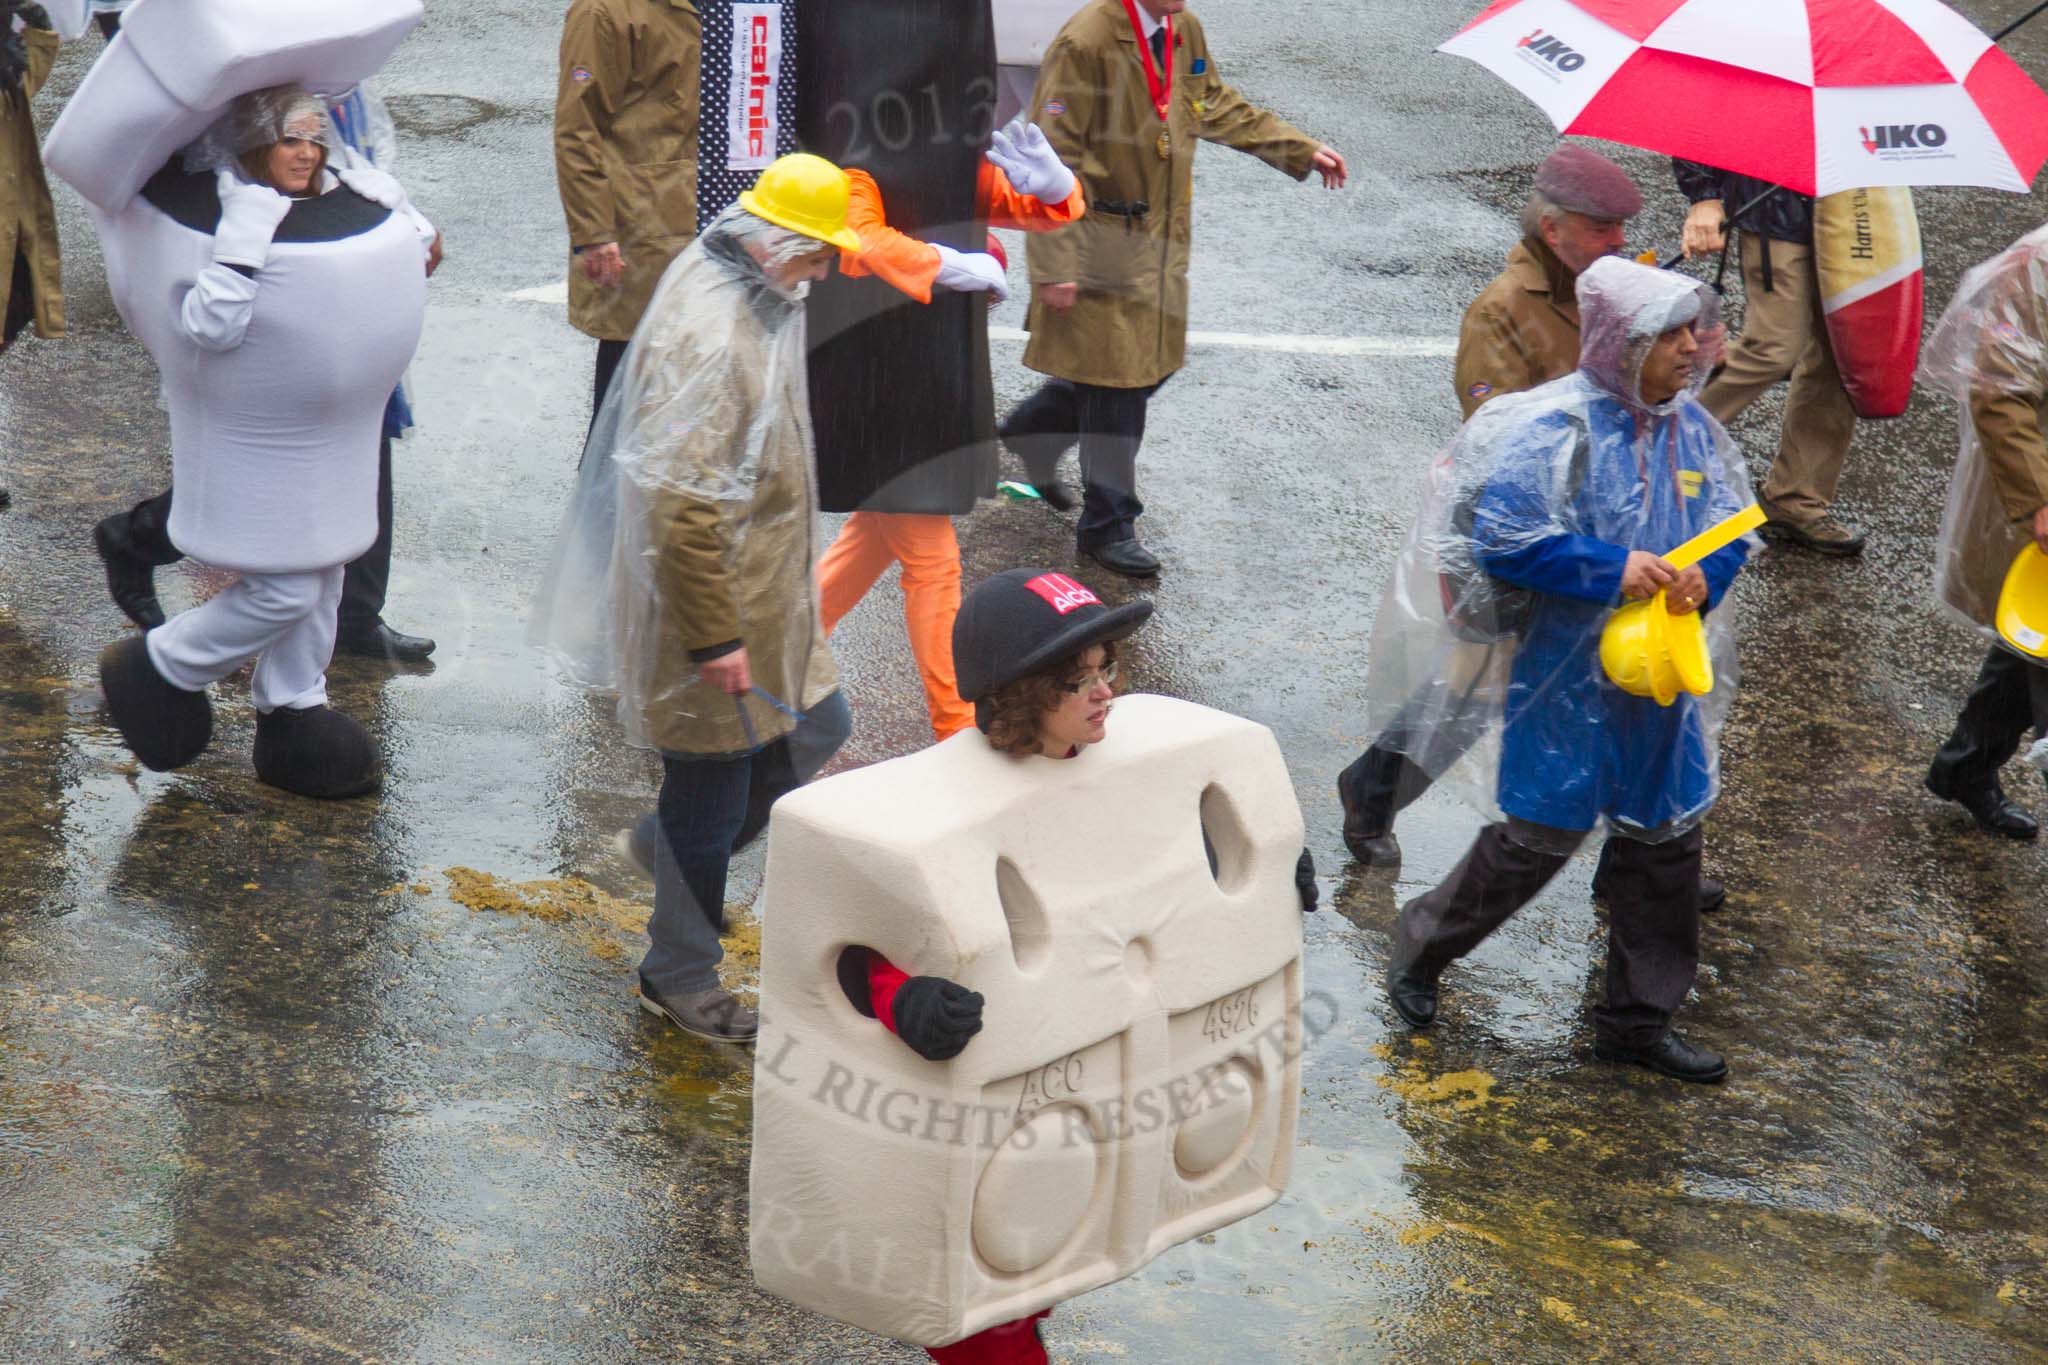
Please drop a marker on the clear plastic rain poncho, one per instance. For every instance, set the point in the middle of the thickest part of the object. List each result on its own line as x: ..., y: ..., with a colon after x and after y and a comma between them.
x: 1990, y: 353
x: 1486, y: 651
x: 693, y: 523
x: 258, y: 119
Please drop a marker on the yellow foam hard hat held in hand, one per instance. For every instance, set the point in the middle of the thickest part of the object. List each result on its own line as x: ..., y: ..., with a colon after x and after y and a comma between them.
x: 806, y: 194
x: 1647, y: 651
x: 2023, y: 603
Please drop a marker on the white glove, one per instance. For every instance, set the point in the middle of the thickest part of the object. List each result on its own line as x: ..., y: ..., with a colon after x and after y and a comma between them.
x: 969, y: 271
x: 1020, y: 151
x: 373, y: 184
x: 249, y: 215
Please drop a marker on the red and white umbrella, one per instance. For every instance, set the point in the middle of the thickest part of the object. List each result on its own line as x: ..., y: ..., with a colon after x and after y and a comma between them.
x: 1815, y: 95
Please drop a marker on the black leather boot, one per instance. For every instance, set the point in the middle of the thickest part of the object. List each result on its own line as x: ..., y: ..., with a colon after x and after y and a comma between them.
x: 1413, y: 994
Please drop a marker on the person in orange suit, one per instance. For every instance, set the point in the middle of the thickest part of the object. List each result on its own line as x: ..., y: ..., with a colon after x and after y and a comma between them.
x: 1021, y: 185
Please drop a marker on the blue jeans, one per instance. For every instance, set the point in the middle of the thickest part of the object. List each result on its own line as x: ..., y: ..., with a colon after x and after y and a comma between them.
x: 710, y: 807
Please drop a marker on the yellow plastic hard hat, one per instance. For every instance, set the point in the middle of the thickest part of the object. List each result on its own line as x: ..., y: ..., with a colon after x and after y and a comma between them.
x: 1648, y: 652
x: 2023, y: 603
x: 806, y: 194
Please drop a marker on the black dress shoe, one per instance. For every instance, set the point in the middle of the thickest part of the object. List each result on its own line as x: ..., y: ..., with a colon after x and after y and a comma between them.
x: 1988, y: 805
x: 164, y: 726
x: 1057, y: 494
x: 131, y: 578
x: 1413, y: 994
x: 1669, y: 1056
x: 1126, y: 557
x: 379, y: 641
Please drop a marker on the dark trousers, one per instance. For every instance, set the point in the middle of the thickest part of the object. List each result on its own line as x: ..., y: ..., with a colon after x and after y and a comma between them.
x: 2010, y: 698
x: 710, y: 806
x: 363, y: 583
x: 609, y: 354
x: 1653, y: 926
x: 1110, y: 426
x: 110, y: 24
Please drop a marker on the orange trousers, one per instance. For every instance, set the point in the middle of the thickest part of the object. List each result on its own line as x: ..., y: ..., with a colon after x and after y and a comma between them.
x: 924, y: 545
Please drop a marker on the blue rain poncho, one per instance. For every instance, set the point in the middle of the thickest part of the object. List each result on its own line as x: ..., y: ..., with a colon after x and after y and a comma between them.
x: 1486, y: 651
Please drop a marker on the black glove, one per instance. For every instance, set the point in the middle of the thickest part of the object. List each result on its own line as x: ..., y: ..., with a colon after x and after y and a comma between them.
x: 1305, y: 882
x: 936, y: 1017
x: 35, y: 16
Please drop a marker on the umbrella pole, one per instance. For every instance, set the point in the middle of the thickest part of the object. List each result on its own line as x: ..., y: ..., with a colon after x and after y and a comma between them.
x: 1999, y: 36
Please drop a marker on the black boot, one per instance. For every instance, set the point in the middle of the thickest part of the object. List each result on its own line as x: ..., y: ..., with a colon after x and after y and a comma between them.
x: 1413, y: 994
x: 1368, y: 827
x: 131, y: 556
x: 164, y: 726
x: 315, y: 752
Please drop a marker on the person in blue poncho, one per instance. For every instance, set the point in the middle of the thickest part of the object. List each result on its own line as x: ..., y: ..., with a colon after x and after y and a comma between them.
x: 1556, y: 505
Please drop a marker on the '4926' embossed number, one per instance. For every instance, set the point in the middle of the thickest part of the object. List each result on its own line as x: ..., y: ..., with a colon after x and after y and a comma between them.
x: 1230, y: 1016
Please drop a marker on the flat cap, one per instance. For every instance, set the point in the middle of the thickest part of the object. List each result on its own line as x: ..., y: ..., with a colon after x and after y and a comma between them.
x: 1580, y: 180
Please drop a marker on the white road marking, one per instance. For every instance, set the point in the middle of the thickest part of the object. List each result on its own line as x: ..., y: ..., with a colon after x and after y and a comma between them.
x: 1385, y: 347
x: 1428, y: 347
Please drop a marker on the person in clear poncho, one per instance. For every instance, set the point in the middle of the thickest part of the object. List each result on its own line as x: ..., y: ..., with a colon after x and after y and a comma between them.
x: 1550, y: 509
x: 683, y: 574
x: 1990, y: 351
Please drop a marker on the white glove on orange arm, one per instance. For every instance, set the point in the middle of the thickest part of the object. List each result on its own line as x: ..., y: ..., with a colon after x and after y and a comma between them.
x: 249, y: 215
x: 1027, y: 160
x: 970, y: 272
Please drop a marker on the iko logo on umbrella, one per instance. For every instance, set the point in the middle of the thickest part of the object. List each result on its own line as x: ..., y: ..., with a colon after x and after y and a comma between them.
x: 1537, y: 48
x: 1905, y: 141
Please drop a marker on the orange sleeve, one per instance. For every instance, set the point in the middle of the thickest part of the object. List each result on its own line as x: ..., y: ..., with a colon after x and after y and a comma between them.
x: 1009, y: 209
x: 901, y: 261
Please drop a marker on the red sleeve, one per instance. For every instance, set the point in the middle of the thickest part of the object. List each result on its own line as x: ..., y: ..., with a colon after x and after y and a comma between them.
x: 885, y: 978
x: 1009, y: 209
x: 901, y: 261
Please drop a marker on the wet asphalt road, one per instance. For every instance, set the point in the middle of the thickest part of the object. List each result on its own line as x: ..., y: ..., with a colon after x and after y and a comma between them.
x: 285, y: 1080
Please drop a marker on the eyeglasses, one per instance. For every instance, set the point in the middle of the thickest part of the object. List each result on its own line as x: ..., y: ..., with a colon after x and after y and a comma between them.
x: 1086, y: 683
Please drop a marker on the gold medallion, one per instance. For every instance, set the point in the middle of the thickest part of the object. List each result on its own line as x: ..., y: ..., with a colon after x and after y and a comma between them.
x: 1165, y: 145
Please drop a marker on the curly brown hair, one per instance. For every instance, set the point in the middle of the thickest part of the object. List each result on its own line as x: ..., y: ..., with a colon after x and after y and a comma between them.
x: 1016, y: 708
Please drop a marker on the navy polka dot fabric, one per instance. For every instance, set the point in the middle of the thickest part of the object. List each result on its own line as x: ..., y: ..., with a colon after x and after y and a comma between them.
x: 719, y: 182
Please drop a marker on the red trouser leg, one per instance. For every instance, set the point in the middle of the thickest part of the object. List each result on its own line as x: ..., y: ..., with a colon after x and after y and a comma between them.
x: 1009, y: 1343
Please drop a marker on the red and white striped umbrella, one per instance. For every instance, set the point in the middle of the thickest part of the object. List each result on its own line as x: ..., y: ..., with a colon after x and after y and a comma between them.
x: 1815, y: 95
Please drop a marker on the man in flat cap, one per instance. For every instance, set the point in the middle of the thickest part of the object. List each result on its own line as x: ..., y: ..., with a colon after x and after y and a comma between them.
x: 1522, y: 331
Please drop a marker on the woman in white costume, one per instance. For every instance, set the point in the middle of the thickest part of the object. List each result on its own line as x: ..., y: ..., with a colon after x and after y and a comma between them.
x: 242, y: 266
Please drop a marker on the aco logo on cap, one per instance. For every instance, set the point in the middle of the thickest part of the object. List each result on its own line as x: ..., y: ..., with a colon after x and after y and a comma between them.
x: 1064, y: 593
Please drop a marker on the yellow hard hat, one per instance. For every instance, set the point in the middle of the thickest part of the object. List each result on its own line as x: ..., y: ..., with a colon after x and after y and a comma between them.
x: 1648, y: 652
x: 2023, y: 603
x: 806, y: 194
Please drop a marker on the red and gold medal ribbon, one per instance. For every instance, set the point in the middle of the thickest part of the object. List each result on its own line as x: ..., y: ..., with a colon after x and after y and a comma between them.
x: 1161, y: 85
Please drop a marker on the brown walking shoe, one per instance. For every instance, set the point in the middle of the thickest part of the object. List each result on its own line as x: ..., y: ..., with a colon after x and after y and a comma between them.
x: 1823, y: 535
x: 713, y: 1014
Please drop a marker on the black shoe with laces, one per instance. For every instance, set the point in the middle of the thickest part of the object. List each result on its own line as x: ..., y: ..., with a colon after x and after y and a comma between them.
x: 1669, y: 1056
x: 1994, y: 811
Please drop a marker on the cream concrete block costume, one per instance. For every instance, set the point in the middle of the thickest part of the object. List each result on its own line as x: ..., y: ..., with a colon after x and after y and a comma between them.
x: 1138, y: 1079
x: 280, y: 328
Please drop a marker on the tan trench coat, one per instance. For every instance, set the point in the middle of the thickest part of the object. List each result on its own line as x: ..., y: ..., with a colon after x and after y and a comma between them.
x: 28, y: 220
x: 1522, y: 331
x: 2005, y: 428
x: 1129, y: 327
x: 626, y: 148
x: 725, y: 570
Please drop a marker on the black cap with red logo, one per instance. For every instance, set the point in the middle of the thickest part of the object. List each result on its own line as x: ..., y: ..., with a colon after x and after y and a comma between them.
x: 1023, y: 621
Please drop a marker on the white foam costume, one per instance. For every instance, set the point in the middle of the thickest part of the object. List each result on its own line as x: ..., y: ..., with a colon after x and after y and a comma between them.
x: 277, y: 374
x: 1138, y: 1079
